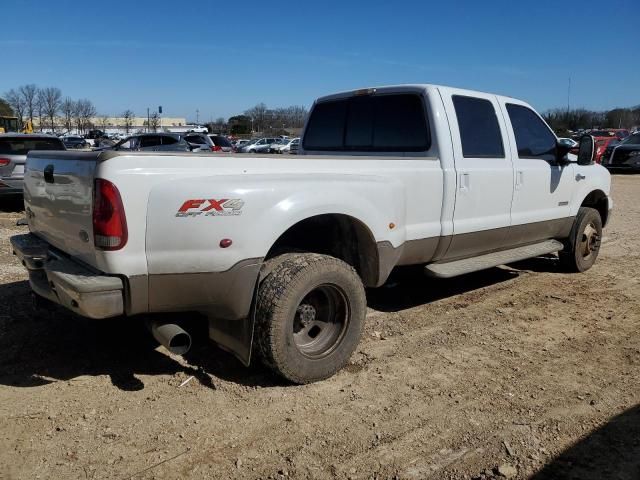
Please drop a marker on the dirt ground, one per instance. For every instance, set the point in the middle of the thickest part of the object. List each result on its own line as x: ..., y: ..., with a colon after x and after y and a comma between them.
x: 520, y: 371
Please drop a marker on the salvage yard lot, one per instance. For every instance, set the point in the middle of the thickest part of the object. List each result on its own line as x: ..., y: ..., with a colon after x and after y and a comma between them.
x: 523, y: 368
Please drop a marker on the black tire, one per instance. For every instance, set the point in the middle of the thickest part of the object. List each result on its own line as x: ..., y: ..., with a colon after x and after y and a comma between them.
x: 310, y: 313
x: 583, y: 245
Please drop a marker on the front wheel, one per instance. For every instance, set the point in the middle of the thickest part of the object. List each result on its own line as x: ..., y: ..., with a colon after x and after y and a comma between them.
x: 583, y: 245
x: 310, y: 313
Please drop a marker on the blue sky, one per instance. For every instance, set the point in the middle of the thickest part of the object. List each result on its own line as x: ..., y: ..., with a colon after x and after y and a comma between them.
x: 224, y: 57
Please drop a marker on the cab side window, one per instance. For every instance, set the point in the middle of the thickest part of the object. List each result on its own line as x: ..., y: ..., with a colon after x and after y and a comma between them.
x: 479, y: 129
x: 533, y: 137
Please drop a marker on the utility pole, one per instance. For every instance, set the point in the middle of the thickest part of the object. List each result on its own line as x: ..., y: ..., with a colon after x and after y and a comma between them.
x: 148, y: 119
x: 197, y: 117
x: 569, y: 94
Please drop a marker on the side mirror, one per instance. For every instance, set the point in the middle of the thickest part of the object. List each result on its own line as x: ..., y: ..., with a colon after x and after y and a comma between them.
x: 563, y: 147
x: 587, y: 150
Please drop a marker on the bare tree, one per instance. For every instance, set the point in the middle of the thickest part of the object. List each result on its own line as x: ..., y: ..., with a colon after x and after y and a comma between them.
x: 15, y: 101
x: 83, y: 112
x: 67, y: 109
x: 258, y: 115
x: 104, y: 122
x: 154, y: 122
x: 29, y: 94
x: 88, y: 111
x: 52, y: 99
x: 128, y: 116
x: 40, y: 109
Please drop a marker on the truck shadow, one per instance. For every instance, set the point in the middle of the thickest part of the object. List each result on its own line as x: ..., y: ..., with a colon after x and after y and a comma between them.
x: 11, y: 203
x: 612, y: 451
x: 408, y: 287
x: 38, y: 347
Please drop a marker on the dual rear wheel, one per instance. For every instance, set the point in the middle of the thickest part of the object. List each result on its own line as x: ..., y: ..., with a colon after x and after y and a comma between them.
x: 310, y: 313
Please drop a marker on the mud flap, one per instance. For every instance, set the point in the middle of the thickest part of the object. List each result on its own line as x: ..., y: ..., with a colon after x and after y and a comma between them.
x: 236, y: 336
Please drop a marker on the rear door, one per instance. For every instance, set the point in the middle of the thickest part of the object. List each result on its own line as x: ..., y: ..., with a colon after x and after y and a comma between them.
x: 484, y: 169
x: 542, y: 188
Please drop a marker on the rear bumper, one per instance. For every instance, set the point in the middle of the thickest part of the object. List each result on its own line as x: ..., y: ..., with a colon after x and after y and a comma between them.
x: 11, y: 185
x: 67, y: 283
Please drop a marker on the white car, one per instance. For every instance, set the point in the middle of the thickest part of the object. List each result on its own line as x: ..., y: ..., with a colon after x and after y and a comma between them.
x: 277, y: 253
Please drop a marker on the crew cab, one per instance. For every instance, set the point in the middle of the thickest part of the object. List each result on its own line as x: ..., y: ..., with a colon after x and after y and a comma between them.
x: 277, y: 251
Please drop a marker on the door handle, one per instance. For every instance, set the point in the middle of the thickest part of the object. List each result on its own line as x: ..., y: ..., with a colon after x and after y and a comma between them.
x: 519, y: 179
x: 580, y: 177
x: 48, y: 174
x: 464, y: 182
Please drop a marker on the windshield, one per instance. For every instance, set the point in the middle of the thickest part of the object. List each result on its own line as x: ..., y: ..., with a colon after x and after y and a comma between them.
x: 631, y: 140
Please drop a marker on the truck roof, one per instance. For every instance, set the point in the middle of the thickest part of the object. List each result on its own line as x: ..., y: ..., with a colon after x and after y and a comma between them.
x: 410, y: 87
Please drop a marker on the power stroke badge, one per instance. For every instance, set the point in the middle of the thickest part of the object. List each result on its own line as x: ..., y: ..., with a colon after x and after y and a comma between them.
x: 211, y: 207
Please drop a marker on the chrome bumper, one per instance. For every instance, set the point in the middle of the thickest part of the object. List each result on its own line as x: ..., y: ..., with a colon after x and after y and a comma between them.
x: 67, y: 283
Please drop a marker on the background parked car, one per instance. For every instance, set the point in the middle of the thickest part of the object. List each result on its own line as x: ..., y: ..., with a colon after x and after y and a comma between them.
x: 13, y: 155
x: 285, y: 146
x: 221, y: 143
x: 275, y: 146
x: 239, y: 144
x: 258, y: 146
x: 74, y: 141
x: 624, y: 155
x: 293, y: 148
x: 199, y: 142
x: 154, y: 142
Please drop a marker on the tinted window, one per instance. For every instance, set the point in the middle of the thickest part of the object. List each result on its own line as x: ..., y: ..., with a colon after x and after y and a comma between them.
x: 195, y: 139
x: 21, y: 146
x: 391, y: 123
x: 479, y: 129
x: 149, y: 141
x: 169, y: 140
x: 633, y: 139
x: 220, y: 141
x: 533, y: 137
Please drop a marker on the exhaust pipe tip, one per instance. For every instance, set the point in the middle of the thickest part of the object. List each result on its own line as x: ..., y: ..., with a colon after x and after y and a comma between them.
x: 172, y: 337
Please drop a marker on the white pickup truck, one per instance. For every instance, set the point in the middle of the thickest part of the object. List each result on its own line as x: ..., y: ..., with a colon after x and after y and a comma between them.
x: 277, y: 251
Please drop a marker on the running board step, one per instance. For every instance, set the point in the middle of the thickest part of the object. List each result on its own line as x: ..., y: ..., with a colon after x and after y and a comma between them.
x: 468, y: 265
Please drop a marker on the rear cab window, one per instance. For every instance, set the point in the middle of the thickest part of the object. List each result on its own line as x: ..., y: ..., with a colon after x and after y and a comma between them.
x: 371, y: 123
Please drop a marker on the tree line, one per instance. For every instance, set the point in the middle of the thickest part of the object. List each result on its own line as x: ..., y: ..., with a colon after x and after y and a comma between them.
x: 265, y: 120
x: 47, y: 105
x: 564, y: 120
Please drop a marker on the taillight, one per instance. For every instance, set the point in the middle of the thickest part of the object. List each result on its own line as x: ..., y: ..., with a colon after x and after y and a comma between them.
x: 4, y: 162
x: 216, y: 148
x: 109, y: 221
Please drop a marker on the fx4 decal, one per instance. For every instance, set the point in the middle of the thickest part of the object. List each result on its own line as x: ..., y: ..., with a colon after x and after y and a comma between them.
x: 210, y: 207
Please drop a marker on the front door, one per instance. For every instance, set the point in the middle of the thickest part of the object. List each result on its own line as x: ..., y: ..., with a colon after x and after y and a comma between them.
x: 542, y: 187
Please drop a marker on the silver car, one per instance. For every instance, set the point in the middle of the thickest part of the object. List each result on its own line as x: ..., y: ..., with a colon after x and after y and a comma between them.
x: 13, y: 156
x: 261, y: 145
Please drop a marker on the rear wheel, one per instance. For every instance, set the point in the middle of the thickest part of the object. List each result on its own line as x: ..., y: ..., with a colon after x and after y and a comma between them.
x: 310, y: 313
x: 583, y: 245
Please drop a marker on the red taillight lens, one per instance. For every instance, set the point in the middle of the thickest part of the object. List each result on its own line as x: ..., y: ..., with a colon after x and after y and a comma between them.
x: 109, y: 221
x: 216, y: 148
x: 4, y: 162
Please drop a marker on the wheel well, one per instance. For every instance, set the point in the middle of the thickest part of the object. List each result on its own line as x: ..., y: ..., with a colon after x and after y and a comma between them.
x: 598, y: 200
x: 338, y: 235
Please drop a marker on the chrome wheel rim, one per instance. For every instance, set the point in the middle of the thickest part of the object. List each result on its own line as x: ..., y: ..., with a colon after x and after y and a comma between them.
x: 590, y: 241
x: 321, y: 321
